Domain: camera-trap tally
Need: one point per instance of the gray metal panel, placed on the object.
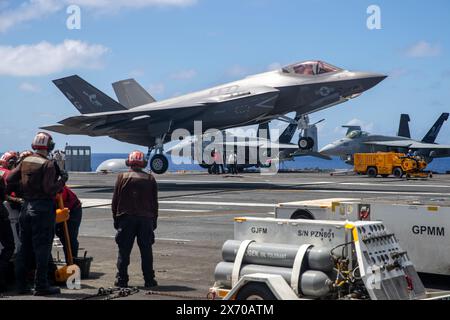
(131, 94)
(78, 158)
(326, 234)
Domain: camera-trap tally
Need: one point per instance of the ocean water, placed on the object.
(438, 165)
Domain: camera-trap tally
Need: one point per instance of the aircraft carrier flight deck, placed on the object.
(196, 217)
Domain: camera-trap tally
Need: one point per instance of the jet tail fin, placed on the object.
(261, 127)
(85, 97)
(131, 94)
(351, 128)
(432, 134)
(403, 127)
(288, 133)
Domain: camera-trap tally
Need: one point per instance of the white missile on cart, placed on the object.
(279, 255)
(368, 262)
(312, 283)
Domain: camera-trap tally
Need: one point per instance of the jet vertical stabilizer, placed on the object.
(131, 94)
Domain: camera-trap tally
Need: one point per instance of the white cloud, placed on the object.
(156, 89)
(27, 11)
(118, 4)
(45, 58)
(184, 74)
(423, 49)
(29, 87)
(37, 9)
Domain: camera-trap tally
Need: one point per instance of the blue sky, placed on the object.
(177, 46)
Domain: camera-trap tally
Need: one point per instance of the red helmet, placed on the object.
(43, 141)
(9, 159)
(25, 154)
(136, 159)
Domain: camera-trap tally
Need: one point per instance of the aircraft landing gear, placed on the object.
(306, 143)
(159, 162)
(308, 133)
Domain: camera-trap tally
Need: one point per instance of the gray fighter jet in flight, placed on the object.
(358, 141)
(303, 87)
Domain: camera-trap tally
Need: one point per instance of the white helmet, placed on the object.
(43, 141)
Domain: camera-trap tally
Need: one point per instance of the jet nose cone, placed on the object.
(370, 80)
(328, 150)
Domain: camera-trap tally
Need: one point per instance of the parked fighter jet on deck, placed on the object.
(303, 87)
(278, 150)
(358, 141)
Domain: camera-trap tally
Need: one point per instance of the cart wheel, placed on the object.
(372, 172)
(255, 291)
(397, 172)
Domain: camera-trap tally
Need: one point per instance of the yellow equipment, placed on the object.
(62, 215)
(387, 163)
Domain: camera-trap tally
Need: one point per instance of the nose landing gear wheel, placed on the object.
(305, 143)
(159, 164)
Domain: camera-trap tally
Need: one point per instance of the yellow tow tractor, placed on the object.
(390, 163)
(62, 216)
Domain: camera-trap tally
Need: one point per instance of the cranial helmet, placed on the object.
(136, 159)
(8, 159)
(43, 141)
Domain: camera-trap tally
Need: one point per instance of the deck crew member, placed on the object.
(71, 202)
(6, 238)
(38, 179)
(135, 213)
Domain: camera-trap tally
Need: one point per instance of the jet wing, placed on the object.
(408, 144)
(169, 111)
(115, 118)
(261, 144)
(63, 129)
(397, 143)
(301, 153)
(421, 145)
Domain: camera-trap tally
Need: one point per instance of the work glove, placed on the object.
(155, 223)
(64, 176)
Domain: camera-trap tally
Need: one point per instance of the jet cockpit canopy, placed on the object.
(356, 134)
(310, 68)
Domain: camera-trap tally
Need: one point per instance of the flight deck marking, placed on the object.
(381, 192)
(162, 239)
(394, 185)
(235, 204)
(103, 203)
(184, 210)
(281, 183)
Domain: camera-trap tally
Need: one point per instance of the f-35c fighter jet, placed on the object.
(303, 87)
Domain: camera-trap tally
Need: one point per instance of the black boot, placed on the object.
(47, 291)
(151, 283)
(121, 284)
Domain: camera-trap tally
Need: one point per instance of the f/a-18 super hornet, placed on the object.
(358, 141)
(303, 87)
(252, 150)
